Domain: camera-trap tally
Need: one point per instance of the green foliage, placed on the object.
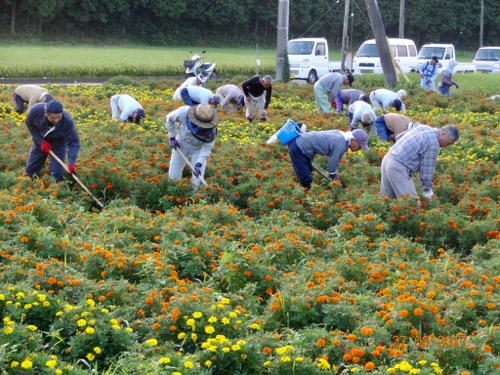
(286, 67)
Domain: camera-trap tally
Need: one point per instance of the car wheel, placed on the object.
(312, 77)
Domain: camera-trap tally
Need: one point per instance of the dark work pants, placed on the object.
(19, 103)
(383, 131)
(37, 158)
(301, 164)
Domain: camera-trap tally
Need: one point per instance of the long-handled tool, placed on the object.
(191, 166)
(76, 179)
(325, 176)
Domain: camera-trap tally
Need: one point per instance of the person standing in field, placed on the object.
(257, 91)
(390, 125)
(416, 150)
(428, 72)
(347, 97)
(231, 94)
(199, 80)
(446, 80)
(31, 95)
(383, 99)
(331, 143)
(192, 131)
(327, 87)
(52, 129)
(125, 108)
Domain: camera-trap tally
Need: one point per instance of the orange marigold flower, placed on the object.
(266, 350)
(321, 342)
(418, 311)
(403, 313)
(369, 366)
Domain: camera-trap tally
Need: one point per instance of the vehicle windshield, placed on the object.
(367, 50)
(428, 52)
(488, 54)
(300, 47)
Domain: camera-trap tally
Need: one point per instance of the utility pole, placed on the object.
(283, 15)
(378, 30)
(401, 18)
(344, 35)
(481, 24)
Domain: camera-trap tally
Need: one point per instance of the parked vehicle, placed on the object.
(308, 59)
(445, 53)
(194, 66)
(367, 59)
(487, 60)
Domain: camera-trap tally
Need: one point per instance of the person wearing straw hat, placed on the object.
(331, 143)
(130, 109)
(198, 80)
(52, 129)
(383, 99)
(192, 130)
(31, 95)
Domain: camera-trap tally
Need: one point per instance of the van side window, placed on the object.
(449, 53)
(320, 49)
(413, 50)
(402, 51)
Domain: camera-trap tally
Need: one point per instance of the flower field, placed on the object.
(249, 275)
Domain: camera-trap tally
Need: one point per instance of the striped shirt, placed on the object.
(417, 150)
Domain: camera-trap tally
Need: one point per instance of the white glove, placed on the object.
(428, 193)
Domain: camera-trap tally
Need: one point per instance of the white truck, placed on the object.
(308, 58)
(444, 53)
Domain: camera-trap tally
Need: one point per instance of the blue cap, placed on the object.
(397, 104)
(53, 106)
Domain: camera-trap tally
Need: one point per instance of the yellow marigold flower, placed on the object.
(225, 320)
(266, 363)
(225, 301)
(2, 297)
(91, 302)
(85, 314)
(46, 304)
(90, 356)
(188, 364)
(51, 363)
(28, 306)
(152, 342)
(164, 360)
(97, 350)
(177, 373)
(299, 359)
(89, 330)
(255, 326)
(181, 335)
(27, 364)
(59, 313)
(197, 315)
(104, 310)
(208, 363)
(113, 322)
(285, 358)
(209, 330)
(129, 330)
(212, 319)
(212, 348)
(422, 362)
(8, 330)
(226, 349)
(59, 372)
(323, 364)
(232, 314)
(235, 348)
(194, 337)
(31, 327)
(414, 371)
(14, 364)
(41, 297)
(81, 323)
(190, 323)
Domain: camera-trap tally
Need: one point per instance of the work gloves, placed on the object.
(456, 85)
(335, 177)
(71, 168)
(428, 193)
(197, 169)
(45, 147)
(172, 142)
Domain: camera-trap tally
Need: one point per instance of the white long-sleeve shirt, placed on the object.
(384, 99)
(124, 103)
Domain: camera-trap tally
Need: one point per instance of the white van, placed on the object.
(367, 59)
(444, 53)
(487, 60)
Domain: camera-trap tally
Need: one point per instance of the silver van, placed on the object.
(487, 60)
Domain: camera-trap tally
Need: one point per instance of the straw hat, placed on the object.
(203, 115)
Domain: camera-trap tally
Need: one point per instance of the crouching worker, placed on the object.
(51, 129)
(125, 108)
(390, 125)
(331, 143)
(192, 132)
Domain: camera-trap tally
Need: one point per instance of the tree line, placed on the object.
(243, 23)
